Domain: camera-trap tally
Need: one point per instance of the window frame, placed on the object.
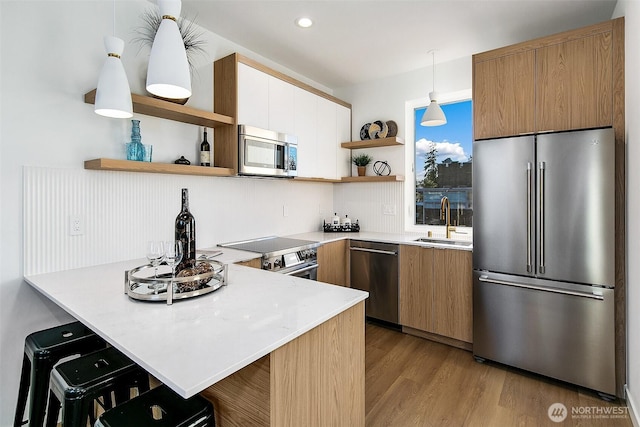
(410, 158)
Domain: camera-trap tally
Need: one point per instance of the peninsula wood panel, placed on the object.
(318, 379)
(574, 85)
(503, 95)
(333, 265)
(453, 293)
(315, 380)
(416, 287)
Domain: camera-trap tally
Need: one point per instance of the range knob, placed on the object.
(277, 263)
(266, 265)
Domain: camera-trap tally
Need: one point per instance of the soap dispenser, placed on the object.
(336, 220)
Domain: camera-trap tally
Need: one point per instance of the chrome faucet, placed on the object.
(445, 213)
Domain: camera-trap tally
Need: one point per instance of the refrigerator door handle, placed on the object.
(541, 206)
(541, 288)
(529, 190)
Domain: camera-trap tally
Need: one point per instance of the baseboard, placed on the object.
(633, 408)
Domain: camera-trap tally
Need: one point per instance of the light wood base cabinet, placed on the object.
(315, 380)
(436, 291)
(333, 262)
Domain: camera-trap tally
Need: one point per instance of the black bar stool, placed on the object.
(76, 384)
(42, 350)
(160, 407)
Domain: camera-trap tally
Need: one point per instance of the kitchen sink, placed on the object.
(443, 242)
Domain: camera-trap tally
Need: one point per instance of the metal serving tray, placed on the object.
(141, 284)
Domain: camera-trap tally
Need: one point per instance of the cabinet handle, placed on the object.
(375, 251)
(485, 279)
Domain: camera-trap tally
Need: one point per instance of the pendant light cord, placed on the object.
(433, 75)
(114, 18)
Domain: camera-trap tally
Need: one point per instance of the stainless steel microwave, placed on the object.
(263, 152)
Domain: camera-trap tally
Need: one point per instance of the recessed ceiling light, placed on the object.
(304, 22)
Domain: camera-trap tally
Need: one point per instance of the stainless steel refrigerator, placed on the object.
(543, 255)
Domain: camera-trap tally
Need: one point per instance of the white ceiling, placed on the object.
(354, 41)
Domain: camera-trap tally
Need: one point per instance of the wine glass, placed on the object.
(172, 256)
(155, 255)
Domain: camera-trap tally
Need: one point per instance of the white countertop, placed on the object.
(195, 343)
(400, 238)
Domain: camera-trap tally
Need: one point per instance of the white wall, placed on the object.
(51, 54)
(630, 9)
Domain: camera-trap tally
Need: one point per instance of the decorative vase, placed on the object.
(362, 170)
(135, 149)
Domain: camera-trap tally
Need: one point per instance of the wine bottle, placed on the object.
(205, 151)
(186, 234)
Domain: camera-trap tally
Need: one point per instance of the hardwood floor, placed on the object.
(411, 381)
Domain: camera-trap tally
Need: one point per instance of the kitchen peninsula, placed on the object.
(267, 349)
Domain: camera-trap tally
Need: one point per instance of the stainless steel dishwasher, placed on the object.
(374, 268)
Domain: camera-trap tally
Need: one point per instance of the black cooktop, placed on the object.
(271, 246)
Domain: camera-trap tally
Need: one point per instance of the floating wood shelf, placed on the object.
(327, 180)
(151, 167)
(372, 143)
(376, 178)
(168, 110)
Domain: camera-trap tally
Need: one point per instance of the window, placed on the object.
(443, 159)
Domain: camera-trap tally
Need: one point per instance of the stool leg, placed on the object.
(76, 411)
(23, 391)
(53, 409)
(42, 366)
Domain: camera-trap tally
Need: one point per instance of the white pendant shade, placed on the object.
(433, 116)
(168, 73)
(113, 96)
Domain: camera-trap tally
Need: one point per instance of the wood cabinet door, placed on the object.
(503, 96)
(574, 84)
(416, 287)
(333, 263)
(453, 294)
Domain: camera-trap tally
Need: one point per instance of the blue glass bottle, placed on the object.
(135, 149)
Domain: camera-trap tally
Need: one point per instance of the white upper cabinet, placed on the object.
(343, 159)
(320, 124)
(253, 97)
(327, 144)
(306, 108)
(281, 106)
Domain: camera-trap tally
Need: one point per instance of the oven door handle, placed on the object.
(302, 270)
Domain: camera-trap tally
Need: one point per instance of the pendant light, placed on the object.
(113, 95)
(168, 72)
(433, 116)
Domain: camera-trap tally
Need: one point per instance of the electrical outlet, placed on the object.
(76, 225)
(388, 209)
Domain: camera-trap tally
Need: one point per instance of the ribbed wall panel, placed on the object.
(121, 211)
